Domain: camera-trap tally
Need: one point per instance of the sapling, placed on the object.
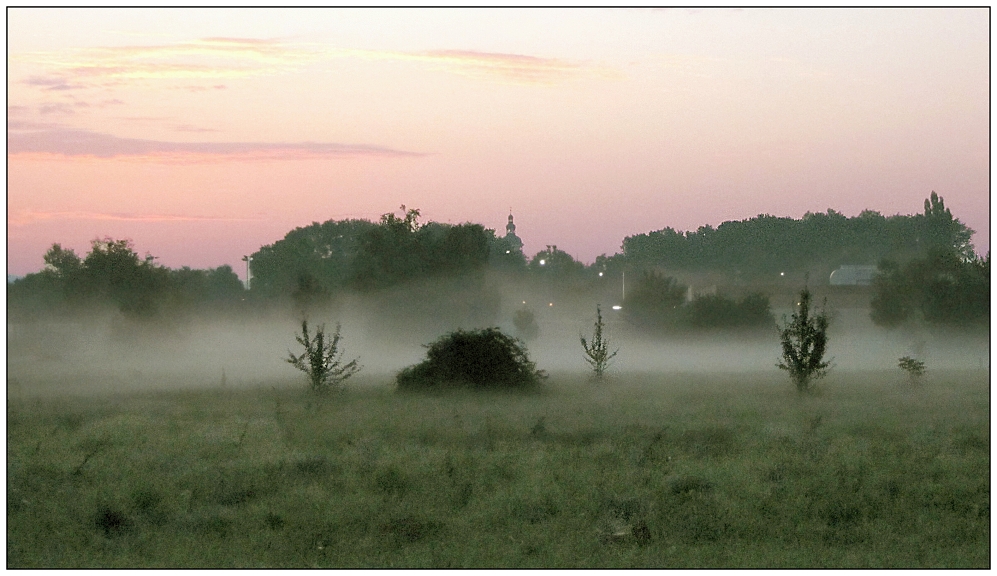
(322, 361)
(804, 343)
(913, 368)
(597, 353)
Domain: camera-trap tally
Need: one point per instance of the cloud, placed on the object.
(513, 67)
(195, 88)
(51, 83)
(84, 143)
(494, 66)
(30, 125)
(144, 118)
(204, 58)
(215, 58)
(56, 108)
(26, 217)
(189, 128)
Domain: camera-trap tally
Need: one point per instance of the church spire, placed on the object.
(510, 228)
(510, 234)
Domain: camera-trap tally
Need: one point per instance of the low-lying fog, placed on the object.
(111, 353)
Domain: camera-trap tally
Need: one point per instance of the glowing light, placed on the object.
(600, 274)
(617, 307)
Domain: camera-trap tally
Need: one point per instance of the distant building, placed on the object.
(691, 294)
(510, 235)
(850, 275)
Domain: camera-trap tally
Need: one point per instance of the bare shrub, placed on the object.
(597, 353)
(913, 368)
(322, 361)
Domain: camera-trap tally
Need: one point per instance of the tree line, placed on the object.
(113, 275)
(321, 259)
(928, 270)
(767, 244)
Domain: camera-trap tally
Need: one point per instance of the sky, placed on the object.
(203, 134)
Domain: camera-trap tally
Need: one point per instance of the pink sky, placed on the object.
(202, 135)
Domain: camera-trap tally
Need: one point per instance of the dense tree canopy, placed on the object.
(557, 264)
(319, 254)
(654, 300)
(941, 289)
(768, 244)
(112, 274)
(322, 258)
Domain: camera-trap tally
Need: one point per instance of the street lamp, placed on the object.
(247, 260)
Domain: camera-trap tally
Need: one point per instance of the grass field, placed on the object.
(681, 470)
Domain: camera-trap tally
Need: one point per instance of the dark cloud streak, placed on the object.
(51, 83)
(93, 144)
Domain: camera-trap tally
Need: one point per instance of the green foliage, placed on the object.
(597, 353)
(322, 360)
(804, 343)
(717, 311)
(913, 368)
(477, 359)
(310, 293)
(655, 301)
(526, 324)
(400, 250)
(322, 259)
(942, 232)
(325, 252)
(504, 255)
(36, 294)
(768, 244)
(195, 288)
(941, 289)
(64, 263)
(112, 274)
(556, 265)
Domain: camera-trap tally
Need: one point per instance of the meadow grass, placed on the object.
(682, 470)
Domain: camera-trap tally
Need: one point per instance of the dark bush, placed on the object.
(111, 521)
(478, 359)
(941, 289)
(526, 324)
(716, 311)
(655, 302)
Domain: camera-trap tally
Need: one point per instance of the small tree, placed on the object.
(804, 343)
(321, 360)
(526, 324)
(597, 353)
(913, 368)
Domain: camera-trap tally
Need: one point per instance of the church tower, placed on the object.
(510, 234)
